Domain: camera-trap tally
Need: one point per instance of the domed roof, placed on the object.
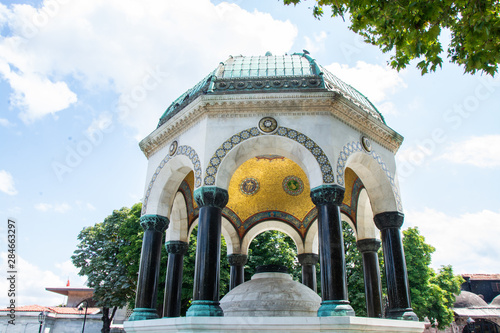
(496, 301)
(270, 73)
(467, 299)
(271, 295)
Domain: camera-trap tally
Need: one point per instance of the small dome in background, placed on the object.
(271, 295)
(467, 299)
(496, 301)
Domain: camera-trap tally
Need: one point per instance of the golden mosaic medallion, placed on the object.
(249, 186)
(293, 185)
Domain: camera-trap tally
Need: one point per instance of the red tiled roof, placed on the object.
(53, 309)
(29, 308)
(482, 276)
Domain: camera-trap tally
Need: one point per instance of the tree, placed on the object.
(96, 257)
(410, 29)
(432, 295)
(354, 271)
(273, 247)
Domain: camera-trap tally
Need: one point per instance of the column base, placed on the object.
(143, 314)
(402, 314)
(335, 308)
(204, 309)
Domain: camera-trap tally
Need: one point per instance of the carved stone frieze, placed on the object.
(308, 258)
(368, 245)
(389, 220)
(211, 196)
(237, 259)
(238, 105)
(154, 222)
(327, 194)
(176, 247)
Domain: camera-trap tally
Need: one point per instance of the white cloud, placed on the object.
(376, 82)
(316, 43)
(7, 183)
(480, 151)
(115, 45)
(69, 271)
(5, 123)
(57, 208)
(102, 123)
(43, 207)
(32, 281)
(85, 205)
(469, 242)
(38, 96)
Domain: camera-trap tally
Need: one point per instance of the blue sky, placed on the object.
(81, 82)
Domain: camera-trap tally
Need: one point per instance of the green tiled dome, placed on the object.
(270, 73)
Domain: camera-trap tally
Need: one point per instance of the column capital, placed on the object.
(211, 196)
(154, 222)
(176, 247)
(308, 258)
(237, 259)
(326, 194)
(368, 245)
(389, 220)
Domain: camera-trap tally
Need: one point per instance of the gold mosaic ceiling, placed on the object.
(272, 184)
(269, 183)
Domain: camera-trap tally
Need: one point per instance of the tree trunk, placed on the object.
(107, 319)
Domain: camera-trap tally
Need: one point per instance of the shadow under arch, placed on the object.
(178, 226)
(364, 218)
(382, 194)
(229, 233)
(164, 185)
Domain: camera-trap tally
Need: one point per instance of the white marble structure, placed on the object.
(285, 109)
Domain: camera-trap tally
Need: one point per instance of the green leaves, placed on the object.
(273, 247)
(410, 30)
(432, 295)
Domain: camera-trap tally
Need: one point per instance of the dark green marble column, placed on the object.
(205, 303)
(237, 273)
(308, 262)
(149, 269)
(173, 282)
(373, 289)
(389, 223)
(327, 199)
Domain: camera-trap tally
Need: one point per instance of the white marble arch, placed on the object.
(271, 225)
(364, 218)
(268, 144)
(311, 240)
(346, 218)
(166, 185)
(375, 180)
(178, 227)
(228, 231)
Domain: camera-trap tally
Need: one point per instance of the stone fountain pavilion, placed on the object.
(273, 142)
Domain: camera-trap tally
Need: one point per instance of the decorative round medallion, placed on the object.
(249, 186)
(173, 148)
(268, 124)
(367, 145)
(293, 185)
